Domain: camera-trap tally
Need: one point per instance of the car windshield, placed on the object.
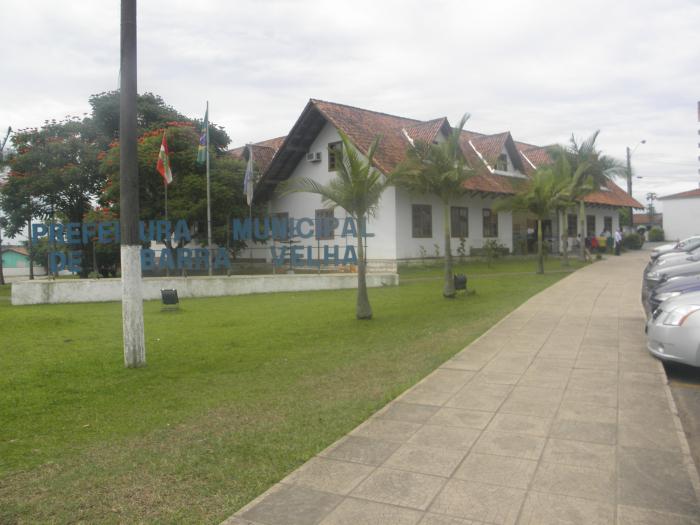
(689, 244)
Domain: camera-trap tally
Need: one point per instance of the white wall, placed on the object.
(409, 247)
(102, 290)
(298, 205)
(600, 213)
(24, 271)
(681, 218)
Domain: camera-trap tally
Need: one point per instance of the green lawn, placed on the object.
(238, 391)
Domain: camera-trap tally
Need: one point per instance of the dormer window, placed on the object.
(502, 162)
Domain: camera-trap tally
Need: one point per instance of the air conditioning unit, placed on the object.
(312, 156)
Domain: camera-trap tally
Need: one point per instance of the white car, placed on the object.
(673, 331)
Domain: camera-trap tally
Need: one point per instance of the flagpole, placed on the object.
(167, 244)
(209, 201)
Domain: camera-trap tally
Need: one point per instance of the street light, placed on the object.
(629, 175)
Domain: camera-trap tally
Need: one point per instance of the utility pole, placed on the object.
(630, 152)
(629, 183)
(132, 293)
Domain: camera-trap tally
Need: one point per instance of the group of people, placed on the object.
(602, 242)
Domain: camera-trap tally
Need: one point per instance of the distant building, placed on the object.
(682, 214)
(644, 220)
(15, 262)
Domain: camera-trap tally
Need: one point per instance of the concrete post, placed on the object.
(132, 293)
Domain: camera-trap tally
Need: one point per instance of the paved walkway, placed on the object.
(556, 415)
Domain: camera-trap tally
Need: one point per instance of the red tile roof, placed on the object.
(639, 219)
(490, 146)
(263, 152)
(683, 195)
(362, 126)
(17, 249)
(428, 131)
(615, 196)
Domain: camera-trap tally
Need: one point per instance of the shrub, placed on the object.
(632, 241)
(492, 249)
(656, 235)
(462, 250)
(423, 253)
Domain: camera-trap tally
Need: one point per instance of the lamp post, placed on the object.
(630, 152)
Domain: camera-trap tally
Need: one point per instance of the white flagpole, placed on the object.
(209, 199)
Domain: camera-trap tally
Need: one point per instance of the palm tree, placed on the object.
(598, 170)
(563, 171)
(440, 170)
(543, 194)
(357, 188)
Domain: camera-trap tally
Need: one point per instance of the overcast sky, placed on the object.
(541, 69)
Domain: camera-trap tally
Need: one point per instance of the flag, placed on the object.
(249, 180)
(163, 165)
(202, 150)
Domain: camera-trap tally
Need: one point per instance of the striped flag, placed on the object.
(202, 150)
(249, 180)
(163, 165)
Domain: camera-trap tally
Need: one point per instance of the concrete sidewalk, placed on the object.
(556, 415)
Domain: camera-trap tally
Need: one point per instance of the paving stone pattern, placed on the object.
(556, 415)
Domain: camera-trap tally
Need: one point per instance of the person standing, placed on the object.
(618, 241)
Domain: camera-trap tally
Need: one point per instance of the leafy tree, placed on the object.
(440, 170)
(151, 113)
(54, 172)
(18, 204)
(540, 196)
(598, 170)
(357, 188)
(187, 192)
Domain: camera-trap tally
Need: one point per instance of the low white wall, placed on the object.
(23, 272)
(101, 290)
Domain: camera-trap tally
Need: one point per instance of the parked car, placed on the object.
(673, 331)
(681, 246)
(673, 259)
(655, 277)
(673, 287)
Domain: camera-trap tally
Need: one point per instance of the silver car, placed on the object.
(683, 245)
(673, 331)
(667, 261)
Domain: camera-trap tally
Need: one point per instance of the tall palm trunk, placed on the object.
(449, 289)
(582, 229)
(564, 239)
(540, 254)
(30, 249)
(363, 310)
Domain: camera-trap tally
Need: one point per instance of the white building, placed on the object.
(682, 214)
(410, 226)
